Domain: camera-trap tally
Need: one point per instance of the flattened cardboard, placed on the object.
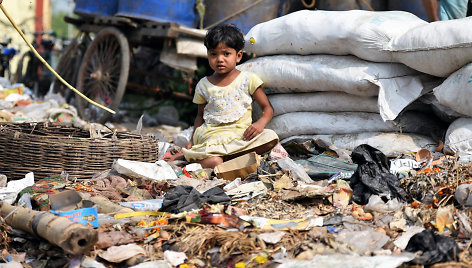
(240, 167)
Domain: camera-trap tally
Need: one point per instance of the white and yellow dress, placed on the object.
(227, 114)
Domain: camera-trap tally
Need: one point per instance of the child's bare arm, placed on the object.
(267, 112)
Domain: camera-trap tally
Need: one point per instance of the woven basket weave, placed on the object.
(47, 150)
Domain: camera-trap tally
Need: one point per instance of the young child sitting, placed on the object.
(223, 126)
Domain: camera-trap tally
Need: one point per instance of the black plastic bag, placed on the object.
(373, 176)
(434, 247)
(185, 198)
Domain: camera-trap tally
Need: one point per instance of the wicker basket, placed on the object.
(47, 150)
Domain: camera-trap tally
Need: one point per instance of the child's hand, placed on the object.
(189, 145)
(252, 131)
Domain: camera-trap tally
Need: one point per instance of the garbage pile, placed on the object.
(305, 204)
(19, 104)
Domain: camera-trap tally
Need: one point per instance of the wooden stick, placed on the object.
(73, 238)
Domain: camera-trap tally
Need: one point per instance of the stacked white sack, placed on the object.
(328, 94)
(456, 94)
(456, 91)
(396, 84)
(437, 48)
(355, 32)
(334, 95)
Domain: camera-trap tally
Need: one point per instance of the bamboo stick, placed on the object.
(73, 238)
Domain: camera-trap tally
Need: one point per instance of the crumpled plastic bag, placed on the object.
(157, 171)
(9, 193)
(372, 176)
(434, 247)
(185, 198)
(298, 171)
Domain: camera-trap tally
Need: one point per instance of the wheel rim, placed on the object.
(65, 68)
(103, 74)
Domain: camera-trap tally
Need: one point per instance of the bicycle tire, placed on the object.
(103, 76)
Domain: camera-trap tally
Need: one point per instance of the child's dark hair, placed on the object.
(224, 33)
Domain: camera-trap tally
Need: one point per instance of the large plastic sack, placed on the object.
(388, 143)
(305, 123)
(355, 32)
(438, 48)
(319, 102)
(295, 73)
(456, 91)
(459, 139)
(396, 84)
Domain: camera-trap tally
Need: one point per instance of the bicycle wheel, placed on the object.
(69, 65)
(103, 74)
(65, 68)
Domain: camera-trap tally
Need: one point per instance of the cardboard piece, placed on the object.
(239, 167)
(69, 204)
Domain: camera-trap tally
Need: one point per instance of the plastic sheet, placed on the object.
(372, 176)
(435, 248)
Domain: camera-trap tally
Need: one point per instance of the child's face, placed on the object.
(223, 59)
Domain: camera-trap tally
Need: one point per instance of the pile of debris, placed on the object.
(304, 203)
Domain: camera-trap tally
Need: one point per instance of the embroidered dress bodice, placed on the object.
(229, 103)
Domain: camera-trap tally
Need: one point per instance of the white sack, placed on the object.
(319, 102)
(295, 73)
(356, 32)
(459, 139)
(456, 91)
(387, 143)
(396, 84)
(306, 123)
(438, 48)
